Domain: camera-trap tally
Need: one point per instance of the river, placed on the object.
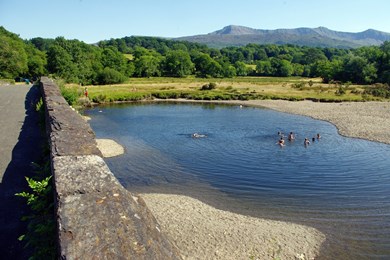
(336, 184)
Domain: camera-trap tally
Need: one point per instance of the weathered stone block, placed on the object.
(96, 217)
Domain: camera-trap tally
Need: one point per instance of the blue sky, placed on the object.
(94, 20)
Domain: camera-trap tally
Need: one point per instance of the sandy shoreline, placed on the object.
(203, 232)
(366, 120)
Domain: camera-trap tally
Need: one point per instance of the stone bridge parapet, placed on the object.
(96, 217)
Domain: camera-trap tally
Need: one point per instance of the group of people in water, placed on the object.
(291, 138)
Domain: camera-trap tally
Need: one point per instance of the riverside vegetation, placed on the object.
(239, 88)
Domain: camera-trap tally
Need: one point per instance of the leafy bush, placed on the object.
(378, 90)
(41, 233)
(340, 91)
(101, 98)
(71, 95)
(299, 85)
(110, 76)
(169, 94)
(209, 86)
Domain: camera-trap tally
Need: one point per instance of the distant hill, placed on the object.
(234, 35)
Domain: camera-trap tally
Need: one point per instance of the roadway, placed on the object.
(20, 144)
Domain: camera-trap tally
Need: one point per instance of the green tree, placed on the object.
(207, 67)
(178, 64)
(13, 57)
(36, 61)
(383, 64)
(312, 55)
(264, 68)
(59, 63)
(112, 58)
(241, 68)
(357, 69)
(327, 70)
(148, 66)
(298, 69)
(281, 68)
(228, 70)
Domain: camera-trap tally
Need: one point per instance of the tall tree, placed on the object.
(13, 57)
(178, 64)
(148, 66)
(60, 63)
(36, 61)
(241, 68)
(358, 69)
(384, 63)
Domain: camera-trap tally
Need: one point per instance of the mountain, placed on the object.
(234, 35)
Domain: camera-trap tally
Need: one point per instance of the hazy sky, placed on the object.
(94, 20)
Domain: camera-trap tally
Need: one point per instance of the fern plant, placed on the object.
(41, 228)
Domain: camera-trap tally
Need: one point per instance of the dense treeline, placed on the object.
(364, 65)
(113, 61)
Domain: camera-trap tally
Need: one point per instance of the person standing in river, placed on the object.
(291, 136)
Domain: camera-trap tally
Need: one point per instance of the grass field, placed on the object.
(240, 88)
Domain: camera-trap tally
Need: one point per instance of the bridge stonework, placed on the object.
(96, 217)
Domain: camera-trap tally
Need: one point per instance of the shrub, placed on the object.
(71, 95)
(378, 90)
(99, 98)
(41, 234)
(299, 85)
(209, 86)
(340, 91)
(110, 76)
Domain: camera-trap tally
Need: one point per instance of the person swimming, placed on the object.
(196, 135)
(291, 136)
(281, 141)
(306, 142)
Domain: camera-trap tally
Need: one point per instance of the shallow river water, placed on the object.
(339, 185)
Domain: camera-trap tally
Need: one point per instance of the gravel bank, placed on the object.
(367, 120)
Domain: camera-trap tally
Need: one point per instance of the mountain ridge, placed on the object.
(236, 35)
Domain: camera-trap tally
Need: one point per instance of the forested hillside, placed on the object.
(115, 60)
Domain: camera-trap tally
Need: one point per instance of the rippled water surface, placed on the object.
(339, 185)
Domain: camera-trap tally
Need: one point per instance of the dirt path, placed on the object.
(20, 144)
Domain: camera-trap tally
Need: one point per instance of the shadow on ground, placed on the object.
(12, 208)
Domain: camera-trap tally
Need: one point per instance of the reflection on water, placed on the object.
(339, 185)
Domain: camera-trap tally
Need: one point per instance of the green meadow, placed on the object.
(239, 88)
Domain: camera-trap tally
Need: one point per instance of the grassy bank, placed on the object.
(240, 88)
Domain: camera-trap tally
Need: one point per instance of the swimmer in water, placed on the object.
(196, 135)
(291, 136)
(281, 141)
(306, 142)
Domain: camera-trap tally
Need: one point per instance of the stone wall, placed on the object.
(96, 217)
